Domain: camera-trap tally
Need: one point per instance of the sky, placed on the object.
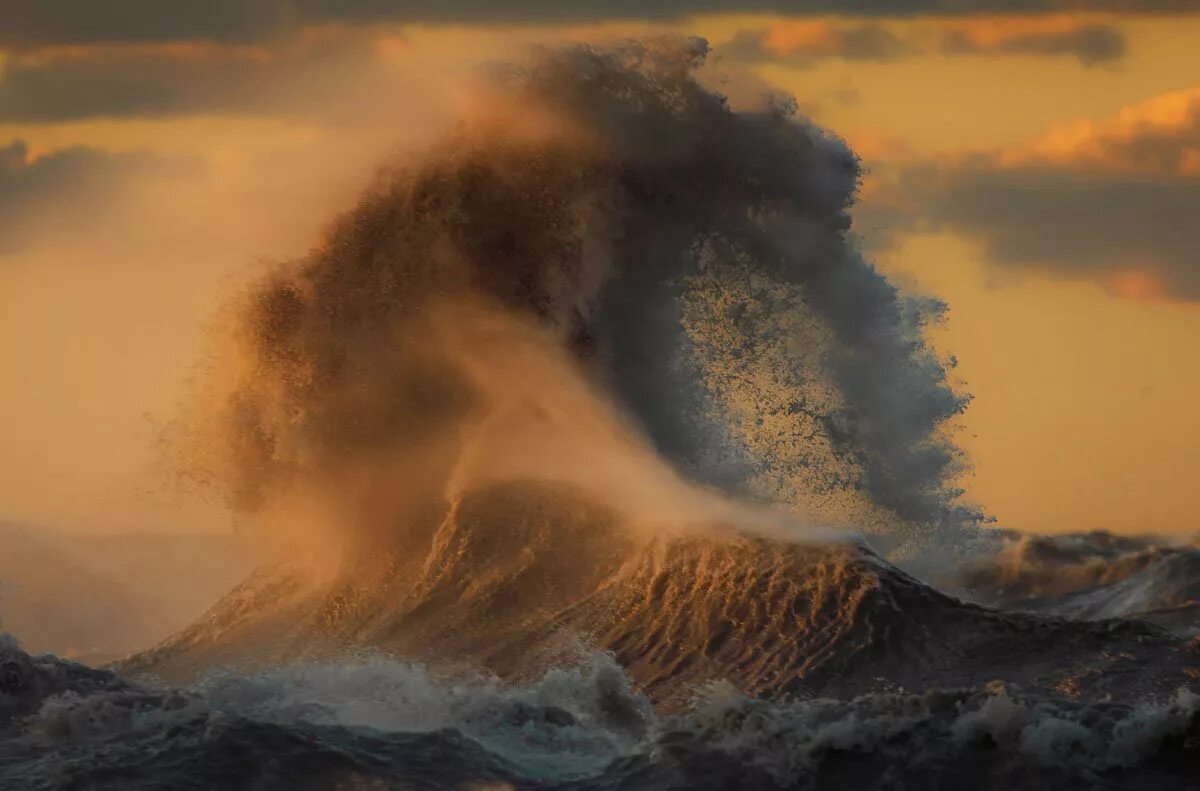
(1033, 163)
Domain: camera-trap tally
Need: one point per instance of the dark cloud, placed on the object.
(25, 179)
(1120, 202)
(1093, 44)
(867, 42)
(310, 70)
(144, 80)
(73, 181)
(40, 22)
(34, 22)
(871, 42)
(105, 83)
(1095, 226)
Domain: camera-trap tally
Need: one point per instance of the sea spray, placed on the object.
(593, 200)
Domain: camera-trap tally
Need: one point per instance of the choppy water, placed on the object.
(377, 723)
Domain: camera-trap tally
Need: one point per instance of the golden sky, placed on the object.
(1035, 172)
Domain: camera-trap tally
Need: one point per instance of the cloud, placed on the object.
(1160, 136)
(307, 70)
(317, 71)
(42, 22)
(1113, 201)
(801, 44)
(1119, 230)
(1092, 44)
(72, 181)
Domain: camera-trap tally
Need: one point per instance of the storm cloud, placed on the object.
(1112, 201)
(802, 44)
(1092, 44)
(41, 22)
(1105, 227)
(159, 79)
(71, 181)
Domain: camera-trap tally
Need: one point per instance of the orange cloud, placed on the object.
(1159, 136)
(784, 38)
(1112, 200)
(802, 42)
(1136, 283)
(995, 31)
(175, 50)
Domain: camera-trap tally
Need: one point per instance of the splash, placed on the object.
(604, 276)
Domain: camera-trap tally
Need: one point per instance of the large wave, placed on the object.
(606, 276)
(532, 393)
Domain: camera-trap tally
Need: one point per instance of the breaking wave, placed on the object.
(605, 276)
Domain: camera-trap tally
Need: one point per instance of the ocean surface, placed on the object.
(899, 687)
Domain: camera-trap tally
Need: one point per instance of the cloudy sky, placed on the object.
(1035, 163)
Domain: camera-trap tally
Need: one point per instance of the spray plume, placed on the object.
(606, 277)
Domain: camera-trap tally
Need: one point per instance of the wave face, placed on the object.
(502, 588)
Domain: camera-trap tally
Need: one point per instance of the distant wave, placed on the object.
(1088, 576)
